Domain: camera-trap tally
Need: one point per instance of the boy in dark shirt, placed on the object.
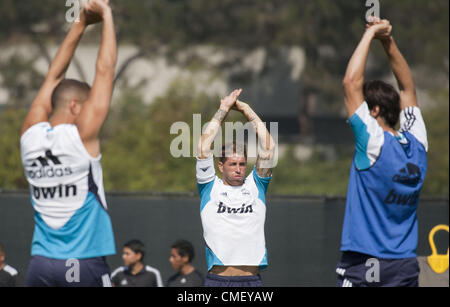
(181, 255)
(135, 273)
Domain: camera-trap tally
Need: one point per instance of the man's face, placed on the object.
(233, 170)
(2, 258)
(176, 260)
(129, 257)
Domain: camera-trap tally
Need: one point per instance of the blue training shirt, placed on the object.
(386, 179)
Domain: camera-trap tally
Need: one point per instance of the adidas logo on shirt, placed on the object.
(410, 175)
(46, 170)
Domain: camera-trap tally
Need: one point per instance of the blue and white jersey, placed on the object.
(66, 186)
(233, 218)
(386, 179)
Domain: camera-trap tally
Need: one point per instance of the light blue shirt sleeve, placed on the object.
(262, 184)
(369, 137)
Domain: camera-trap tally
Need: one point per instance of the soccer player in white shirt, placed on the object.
(233, 208)
(60, 151)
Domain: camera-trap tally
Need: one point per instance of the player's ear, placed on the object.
(220, 165)
(75, 107)
(375, 112)
(185, 259)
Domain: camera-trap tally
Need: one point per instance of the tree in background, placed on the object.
(137, 136)
(136, 152)
(11, 171)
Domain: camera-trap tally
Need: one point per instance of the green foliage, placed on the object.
(137, 154)
(136, 149)
(19, 18)
(11, 171)
(21, 80)
(136, 138)
(317, 176)
(437, 121)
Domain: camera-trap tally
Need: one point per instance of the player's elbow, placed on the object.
(352, 85)
(106, 66)
(267, 152)
(271, 146)
(105, 69)
(351, 82)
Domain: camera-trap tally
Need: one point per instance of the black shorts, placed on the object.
(359, 270)
(47, 272)
(217, 281)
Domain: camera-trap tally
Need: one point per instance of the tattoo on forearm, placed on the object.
(220, 115)
(251, 115)
(209, 135)
(255, 126)
(263, 166)
(264, 172)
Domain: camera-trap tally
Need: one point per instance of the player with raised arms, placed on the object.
(380, 232)
(60, 151)
(233, 209)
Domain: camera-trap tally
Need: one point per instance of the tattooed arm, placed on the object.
(204, 146)
(266, 150)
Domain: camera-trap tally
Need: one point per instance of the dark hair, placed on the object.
(137, 247)
(184, 248)
(231, 149)
(79, 91)
(383, 95)
(2, 251)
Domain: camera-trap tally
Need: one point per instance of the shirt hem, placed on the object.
(65, 257)
(379, 255)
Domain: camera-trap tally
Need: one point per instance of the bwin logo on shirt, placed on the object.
(244, 209)
(52, 192)
(410, 175)
(402, 200)
(47, 171)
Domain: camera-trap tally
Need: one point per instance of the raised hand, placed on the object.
(94, 11)
(381, 29)
(228, 102)
(240, 106)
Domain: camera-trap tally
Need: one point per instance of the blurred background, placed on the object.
(178, 57)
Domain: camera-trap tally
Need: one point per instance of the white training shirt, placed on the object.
(233, 218)
(66, 186)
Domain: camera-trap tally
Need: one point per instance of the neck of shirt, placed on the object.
(136, 269)
(187, 269)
